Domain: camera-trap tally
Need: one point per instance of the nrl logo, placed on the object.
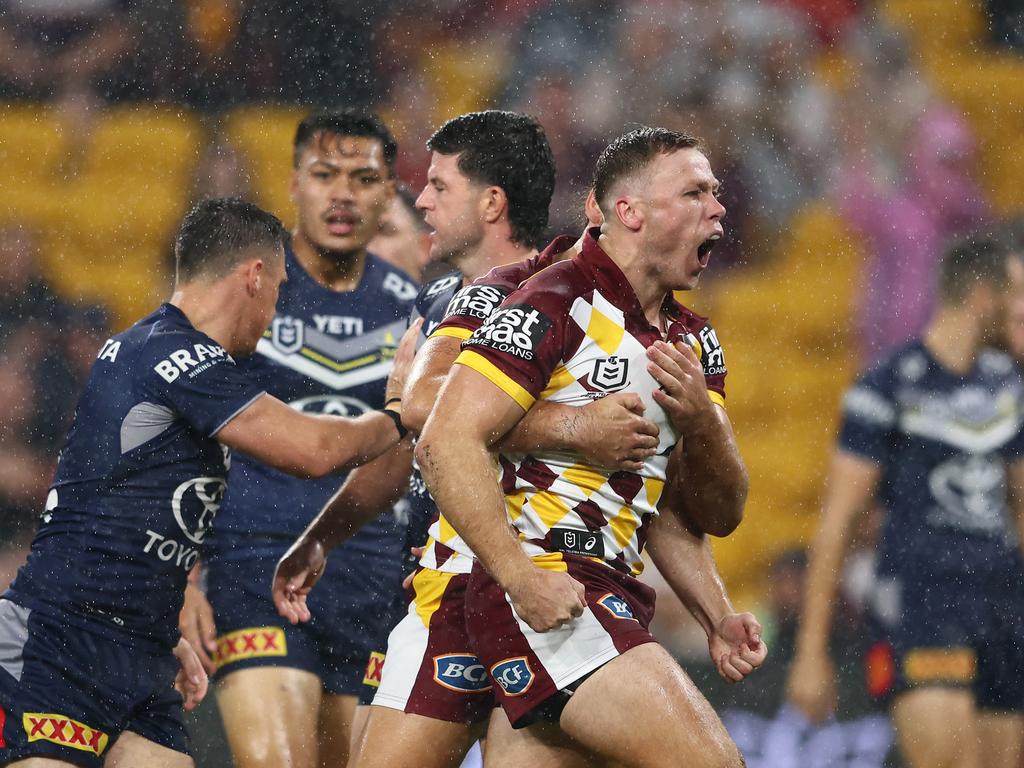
(610, 374)
(287, 334)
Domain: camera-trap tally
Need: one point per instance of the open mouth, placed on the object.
(704, 249)
(341, 222)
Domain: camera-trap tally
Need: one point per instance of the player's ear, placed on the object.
(293, 184)
(253, 272)
(494, 203)
(628, 213)
(595, 217)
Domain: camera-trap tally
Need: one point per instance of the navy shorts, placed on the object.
(67, 694)
(950, 632)
(350, 623)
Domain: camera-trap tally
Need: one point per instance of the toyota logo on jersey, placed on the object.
(195, 504)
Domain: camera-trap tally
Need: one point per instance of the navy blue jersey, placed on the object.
(139, 481)
(329, 352)
(943, 441)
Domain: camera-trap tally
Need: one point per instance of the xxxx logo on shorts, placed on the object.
(374, 669)
(63, 730)
(513, 675)
(251, 643)
(616, 606)
(461, 672)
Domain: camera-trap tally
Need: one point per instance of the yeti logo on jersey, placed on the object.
(196, 503)
(610, 374)
(331, 405)
(515, 330)
(287, 334)
(714, 357)
(403, 290)
(477, 301)
(616, 607)
(513, 675)
(460, 672)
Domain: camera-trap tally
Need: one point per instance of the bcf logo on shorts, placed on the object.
(461, 672)
(616, 606)
(513, 675)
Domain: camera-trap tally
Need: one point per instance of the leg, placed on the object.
(393, 739)
(641, 710)
(358, 727)
(336, 715)
(270, 716)
(131, 750)
(937, 728)
(543, 745)
(1002, 739)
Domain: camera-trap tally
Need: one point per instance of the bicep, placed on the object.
(470, 406)
(429, 369)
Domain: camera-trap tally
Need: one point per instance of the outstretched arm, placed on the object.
(850, 487)
(685, 561)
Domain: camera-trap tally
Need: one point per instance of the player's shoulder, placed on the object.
(432, 291)
(390, 280)
(562, 281)
(997, 363)
(165, 342)
(689, 319)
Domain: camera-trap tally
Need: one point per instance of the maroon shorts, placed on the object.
(429, 669)
(530, 667)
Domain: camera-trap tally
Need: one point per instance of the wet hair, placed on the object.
(633, 151)
(508, 150)
(975, 259)
(407, 197)
(346, 121)
(219, 233)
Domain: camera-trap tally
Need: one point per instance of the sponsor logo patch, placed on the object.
(461, 672)
(713, 357)
(374, 669)
(585, 543)
(929, 665)
(616, 606)
(516, 330)
(195, 503)
(58, 729)
(250, 643)
(880, 668)
(331, 405)
(441, 285)
(513, 675)
(610, 374)
(287, 334)
(477, 301)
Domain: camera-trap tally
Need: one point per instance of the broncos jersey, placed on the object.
(328, 352)
(943, 441)
(571, 334)
(139, 482)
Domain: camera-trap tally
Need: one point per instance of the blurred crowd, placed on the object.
(873, 138)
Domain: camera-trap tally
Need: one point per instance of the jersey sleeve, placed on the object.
(201, 383)
(868, 416)
(520, 344)
(712, 358)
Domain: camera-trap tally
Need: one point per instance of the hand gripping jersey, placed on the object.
(325, 352)
(573, 333)
(943, 441)
(449, 309)
(139, 482)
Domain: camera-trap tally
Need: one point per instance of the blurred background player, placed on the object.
(404, 237)
(328, 350)
(90, 643)
(933, 434)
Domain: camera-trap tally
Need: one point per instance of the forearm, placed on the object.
(546, 426)
(367, 491)
(429, 371)
(333, 443)
(685, 561)
(707, 477)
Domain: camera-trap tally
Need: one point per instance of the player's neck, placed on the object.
(338, 271)
(649, 291)
(491, 253)
(212, 311)
(953, 338)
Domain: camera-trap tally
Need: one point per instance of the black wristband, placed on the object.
(392, 400)
(397, 418)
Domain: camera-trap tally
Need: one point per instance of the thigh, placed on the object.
(936, 727)
(132, 750)
(394, 739)
(271, 716)
(641, 709)
(336, 716)
(541, 745)
(1002, 740)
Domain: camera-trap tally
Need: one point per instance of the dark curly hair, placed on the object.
(346, 121)
(507, 150)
